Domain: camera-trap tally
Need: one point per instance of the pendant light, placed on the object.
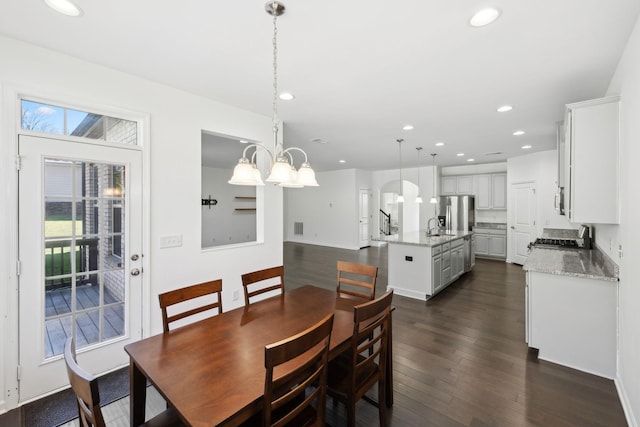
(282, 170)
(433, 198)
(400, 197)
(419, 198)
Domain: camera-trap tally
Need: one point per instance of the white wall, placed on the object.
(626, 83)
(329, 213)
(176, 121)
(221, 223)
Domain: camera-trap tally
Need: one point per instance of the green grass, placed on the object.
(59, 262)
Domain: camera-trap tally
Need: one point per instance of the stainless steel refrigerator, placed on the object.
(456, 213)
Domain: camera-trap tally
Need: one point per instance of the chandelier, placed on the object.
(282, 170)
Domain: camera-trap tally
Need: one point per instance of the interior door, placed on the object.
(523, 220)
(80, 236)
(365, 234)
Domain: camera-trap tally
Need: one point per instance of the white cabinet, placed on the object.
(492, 191)
(449, 185)
(464, 184)
(482, 243)
(454, 185)
(592, 174)
(498, 245)
(420, 272)
(585, 339)
(491, 242)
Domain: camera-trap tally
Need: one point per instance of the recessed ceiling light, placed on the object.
(286, 96)
(244, 141)
(505, 108)
(342, 161)
(471, 160)
(526, 147)
(460, 154)
(518, 133)
(407, 127)
(484, 17)
(439, 144)
(65, 7)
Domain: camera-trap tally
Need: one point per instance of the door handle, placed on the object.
(512, 227)
(135, 272)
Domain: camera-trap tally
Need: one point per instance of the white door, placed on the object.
(365, 233)
(523, 220)
(80, 236)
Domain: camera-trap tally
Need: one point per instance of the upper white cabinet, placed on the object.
(492, 191)
(453, 185)
(465, 184)
(592, 173)
(449, 185)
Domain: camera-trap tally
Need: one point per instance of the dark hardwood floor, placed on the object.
(460, 358)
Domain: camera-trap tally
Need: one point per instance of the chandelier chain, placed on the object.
(275, 72)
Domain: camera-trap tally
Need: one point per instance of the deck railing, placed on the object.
(58, 261)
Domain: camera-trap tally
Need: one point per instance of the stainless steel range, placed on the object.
(543, 242)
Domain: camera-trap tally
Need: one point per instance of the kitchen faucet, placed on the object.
(429, 225)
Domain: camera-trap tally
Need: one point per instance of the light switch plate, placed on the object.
(171, 241)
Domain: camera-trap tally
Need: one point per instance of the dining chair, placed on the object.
(261, 281)
(297, 396)
(178, 296)
(360, 279)
(85, 388)
(351, 376)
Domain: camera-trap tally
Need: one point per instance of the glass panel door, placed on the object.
(76, 213)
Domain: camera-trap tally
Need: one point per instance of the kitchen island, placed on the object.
(420, 266)
(571, 303)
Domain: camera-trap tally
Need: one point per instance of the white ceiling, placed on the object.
(360, 69)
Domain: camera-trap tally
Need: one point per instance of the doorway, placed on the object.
(80, 242)
(523, 219)
(365, 216)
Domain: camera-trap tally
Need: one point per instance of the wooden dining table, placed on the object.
(212, 371)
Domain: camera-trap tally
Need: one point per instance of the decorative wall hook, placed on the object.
(209, 202)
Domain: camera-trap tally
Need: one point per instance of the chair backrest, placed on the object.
(369, 343)
(251, 282)
(181, 295)
(85, 387)
(285, 399)
(360, 279)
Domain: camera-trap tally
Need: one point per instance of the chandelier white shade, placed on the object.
(282, 171)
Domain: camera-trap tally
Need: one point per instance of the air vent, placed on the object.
(319, 141)
(495, 153)
(298, 229)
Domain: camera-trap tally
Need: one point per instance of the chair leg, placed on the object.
(382, 407)
(351, 414)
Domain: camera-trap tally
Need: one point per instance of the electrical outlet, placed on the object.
(236, 295)
(620, 251)
(171, 241)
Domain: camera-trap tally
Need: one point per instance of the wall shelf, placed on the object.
(245, 209)
(245, 197)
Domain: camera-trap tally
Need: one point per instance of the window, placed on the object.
(56, 120)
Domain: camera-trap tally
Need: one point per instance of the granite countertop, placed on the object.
(590, 264)
(494, 225)
(420, 238)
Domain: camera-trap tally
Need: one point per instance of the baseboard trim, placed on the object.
(624, 400)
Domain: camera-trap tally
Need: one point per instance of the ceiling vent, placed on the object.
(495, 153)
(319, 141)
